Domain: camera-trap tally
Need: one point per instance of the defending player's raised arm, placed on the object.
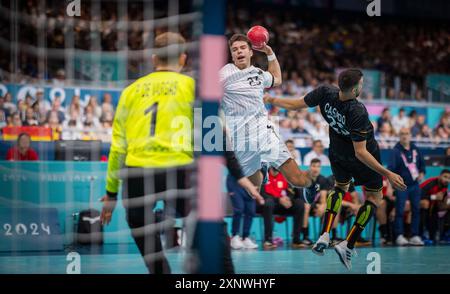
(312, 99)
(287, 103)
(274, 66)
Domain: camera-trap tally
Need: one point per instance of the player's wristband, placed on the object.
(112, 195)
(271, 57)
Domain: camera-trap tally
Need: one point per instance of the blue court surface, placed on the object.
(112, 259)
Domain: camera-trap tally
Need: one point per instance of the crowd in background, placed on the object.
(311, 45)
(78, 120)
(309, 48)
(304, 126)
(45, 24)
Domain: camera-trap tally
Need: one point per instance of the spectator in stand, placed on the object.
(316, 152)
(74, 119)
(280, 199)
(14, 120)
(107, 105)
(319, 132)
(385, 134)
(30, 119)
(59, 78)
(29, 100)
(384, 118)
(294, 151)
(412, 116)
(96, 109)
(22, 151)
(107, 127)
(285, 128)
(53, 123)
(22, 110)
(37, 113)
(435, 206)
(444, 122)
(75, 108)
(297, 127)
(244, 207)
(417, 127)
(425, 132)
(442, 131)
(408, 162)
(441, 134)
(8, 104)
(56, 108)
(89, 117)
(400, 121)
(44, 106)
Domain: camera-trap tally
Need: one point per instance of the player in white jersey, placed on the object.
(253, 135)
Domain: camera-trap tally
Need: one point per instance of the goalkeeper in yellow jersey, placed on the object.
(152, 147)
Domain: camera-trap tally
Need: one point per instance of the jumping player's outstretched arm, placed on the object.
(274, 65)
(365, 157)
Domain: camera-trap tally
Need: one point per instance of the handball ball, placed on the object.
(258, 35)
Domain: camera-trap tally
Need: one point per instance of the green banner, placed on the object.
(98, 66)
(440, 83)
(372, 83)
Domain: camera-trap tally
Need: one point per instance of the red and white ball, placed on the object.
(258, 36)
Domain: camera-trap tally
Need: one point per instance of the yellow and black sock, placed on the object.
(364, 215)
(334, 201)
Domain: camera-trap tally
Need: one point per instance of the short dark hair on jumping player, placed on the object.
(315, 160)
(445, 171)
(289, 141)
(349, 78)
(239, 37)
(169, 47)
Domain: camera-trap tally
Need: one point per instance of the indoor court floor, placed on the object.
(111, 259)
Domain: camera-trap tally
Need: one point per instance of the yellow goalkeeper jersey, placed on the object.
(153, 125)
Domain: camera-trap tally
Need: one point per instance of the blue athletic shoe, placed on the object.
(310, 193)
(428, 242)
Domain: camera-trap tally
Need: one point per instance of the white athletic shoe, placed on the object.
(249, 244)
(416, 241)
(345, 254)
(401, 241)
(321, 244)
(236, 243)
